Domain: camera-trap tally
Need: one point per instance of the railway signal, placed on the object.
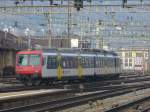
(123, 3)
(78, 4)
(51, 2)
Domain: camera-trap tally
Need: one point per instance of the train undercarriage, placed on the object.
(34, 80)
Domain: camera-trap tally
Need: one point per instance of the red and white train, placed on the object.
(48, 65)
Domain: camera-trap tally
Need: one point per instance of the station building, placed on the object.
(135, 59)
(9, 45)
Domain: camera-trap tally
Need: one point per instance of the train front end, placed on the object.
(29, 66)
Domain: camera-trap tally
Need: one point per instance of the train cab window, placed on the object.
(51, 62)
(34, 60)
(23, 60)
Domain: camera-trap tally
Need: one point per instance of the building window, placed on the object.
(126, 54)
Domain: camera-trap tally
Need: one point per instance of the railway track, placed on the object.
(12, 79)
(81, 87)
(60, 104)
(137, 105)
(9, 80)
(75, 85)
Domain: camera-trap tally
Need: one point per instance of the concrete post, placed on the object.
(148, 63)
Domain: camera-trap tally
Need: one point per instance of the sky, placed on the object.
(123, 23)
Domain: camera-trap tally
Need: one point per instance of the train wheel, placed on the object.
(28, 81)
(36, 82)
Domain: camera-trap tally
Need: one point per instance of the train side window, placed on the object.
(97, 62)
(116, 62)
(87, 65)
(51, 62)
(70, 62)
(92, 62)
(64, 64)
(100, 62)
(89, 62)
(82, 62)
(75, 62)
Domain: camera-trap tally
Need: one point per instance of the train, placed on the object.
(34, 66)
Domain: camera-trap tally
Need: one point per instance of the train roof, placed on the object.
(69, 50)
(83, 51)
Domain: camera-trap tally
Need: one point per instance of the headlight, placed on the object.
(36, 71)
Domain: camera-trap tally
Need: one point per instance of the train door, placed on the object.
(115, 64)
(49, 66)
(44, 67)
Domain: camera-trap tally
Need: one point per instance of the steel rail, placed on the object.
(147, 109)
(73, 101)
(74, 85)
(119, 108)
(62, 6)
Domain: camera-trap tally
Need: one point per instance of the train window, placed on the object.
(75, 62)
(115, 62)
(63, 64)
(69, 62)
(92, 62)
(109, 64)
(23, 60)
(34, 60)
(51, 62)
(97, 62)
(102, 62)
(83, 61)
(88, 62)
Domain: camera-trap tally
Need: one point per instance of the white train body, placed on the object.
(52, 65)
(80, 65)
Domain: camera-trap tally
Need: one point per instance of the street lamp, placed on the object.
(43, 32)
(11, 29)
(6, 31)
(27, 33)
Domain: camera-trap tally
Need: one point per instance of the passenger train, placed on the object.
(49, 65)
